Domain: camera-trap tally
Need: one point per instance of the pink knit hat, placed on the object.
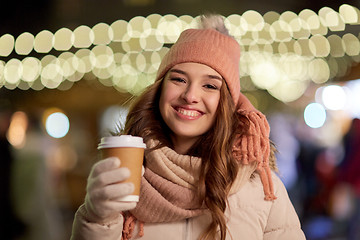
(209, 47)
(222, 53)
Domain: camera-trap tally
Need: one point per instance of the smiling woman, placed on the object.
(209, 165)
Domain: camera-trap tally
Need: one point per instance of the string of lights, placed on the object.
(281, 53)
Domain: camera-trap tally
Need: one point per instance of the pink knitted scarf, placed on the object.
(168, 187)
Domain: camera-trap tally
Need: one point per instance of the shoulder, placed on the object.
(251, 195)
(254, 187)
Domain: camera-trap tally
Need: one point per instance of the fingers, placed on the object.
(111, 177)
(111, 192)
(105, 189)
(104, 165)
(103, 210)
(108, 208)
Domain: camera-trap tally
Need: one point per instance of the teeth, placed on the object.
(188, 113)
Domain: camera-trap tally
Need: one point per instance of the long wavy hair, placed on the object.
(218, 166)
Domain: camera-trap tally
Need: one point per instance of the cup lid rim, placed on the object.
(121, 141)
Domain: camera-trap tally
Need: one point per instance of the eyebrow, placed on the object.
(208, 75)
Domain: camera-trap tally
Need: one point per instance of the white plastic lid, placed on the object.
(121, 141)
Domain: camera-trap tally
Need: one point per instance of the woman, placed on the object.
(208, 164)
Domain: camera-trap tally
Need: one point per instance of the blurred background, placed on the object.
(69, 68)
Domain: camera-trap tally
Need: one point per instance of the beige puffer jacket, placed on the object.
(249, 217)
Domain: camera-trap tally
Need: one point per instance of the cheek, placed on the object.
(164, 100)
(214, 104)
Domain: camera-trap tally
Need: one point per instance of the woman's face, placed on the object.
(189, 100)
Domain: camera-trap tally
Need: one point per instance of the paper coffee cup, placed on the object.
(130, 150)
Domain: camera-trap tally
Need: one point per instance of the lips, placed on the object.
(190, 113)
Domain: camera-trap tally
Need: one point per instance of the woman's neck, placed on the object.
(182, 145)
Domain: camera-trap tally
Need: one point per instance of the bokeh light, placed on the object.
(43, 42)
(334, 97)
(63, 39)
(274, 42)
(7, 42)
(57, 125)
(83, 37)
(16, 133)
(24, 43)
(352, 92)
(314, 115)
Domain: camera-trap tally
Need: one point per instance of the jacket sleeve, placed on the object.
(83, 229)
(283, 222)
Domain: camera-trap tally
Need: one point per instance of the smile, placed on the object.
(188, 113)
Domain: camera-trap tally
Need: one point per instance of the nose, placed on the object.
(191, 94)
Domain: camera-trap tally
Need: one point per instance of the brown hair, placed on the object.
(218, 167)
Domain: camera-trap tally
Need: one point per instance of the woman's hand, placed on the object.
(104, 191)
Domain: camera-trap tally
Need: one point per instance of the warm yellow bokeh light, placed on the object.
(253, 21)
(337, 46)
(294, 66)
(350, 14)
(234, 24)
(153, 42)
(82, 63)
(63, 39)
(132, 46)
(154, 20)
(102, 56)
(2, 79)
(319, 71)
(279, 52)
(351, 44)
(319, 46)
(122, 81)
(13, 71)
(280, 31)
(44, 42)
(103, 34)
(171, 27)
(83, 37)
(51, 74)
(271, 16)
(188, 21)
(68, 63)
(301, 47)
(31, 69)
(264, 72)
(311, 18)
(105, 73)
(16, 133)
(119, 29)
(331, 19)
(7, 42)
(24, 43)
(288, 90)
(139, 26)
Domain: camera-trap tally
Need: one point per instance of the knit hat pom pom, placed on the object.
(213, 22)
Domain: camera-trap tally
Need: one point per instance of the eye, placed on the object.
(177, 79)
(211, 86)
